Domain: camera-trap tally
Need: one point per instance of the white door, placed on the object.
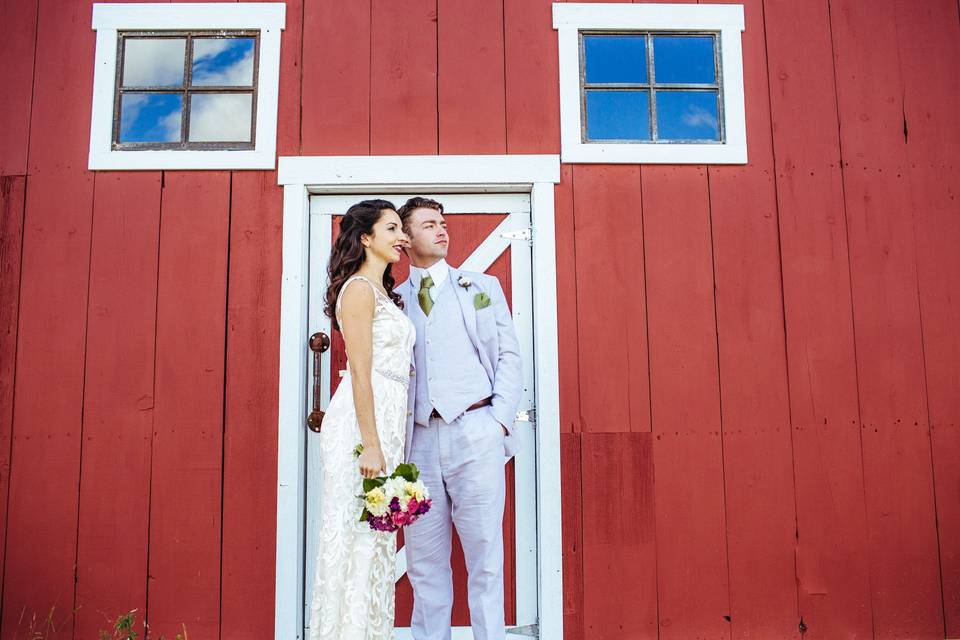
(489, 232)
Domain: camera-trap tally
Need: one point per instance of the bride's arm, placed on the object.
(356, 321)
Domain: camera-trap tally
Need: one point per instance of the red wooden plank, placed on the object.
(611, 313)
(617, 484)
(929, 47)
(291, 66)
(185, 491)
(250, 442)
(252, 363)
(336, 77)
(757, 449)
(45, 452)
(118, 400)
(690, 516)
(572, 524)
(471, 102)
(832, 560)
(904, 570)
(567, 303)
(403, 77)
(12, 201)
(18, 33)
(48, 398)
(532, 77)
(62, 88)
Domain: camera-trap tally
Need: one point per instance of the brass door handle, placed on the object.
(319, 342)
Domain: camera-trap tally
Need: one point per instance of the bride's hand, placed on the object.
(372, 462)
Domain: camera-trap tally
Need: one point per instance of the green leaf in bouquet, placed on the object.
(366, 515)
(407, 471)
(372, 483)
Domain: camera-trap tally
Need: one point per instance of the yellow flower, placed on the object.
(377, 502)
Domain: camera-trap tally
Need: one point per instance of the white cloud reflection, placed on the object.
(696, 116)
(153, 62)
(223, 117)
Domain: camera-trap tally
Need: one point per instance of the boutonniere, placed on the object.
(480, 301)
(464, 281)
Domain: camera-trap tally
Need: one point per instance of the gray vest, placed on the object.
(449, 376)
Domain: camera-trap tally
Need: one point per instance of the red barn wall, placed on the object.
(759, 364)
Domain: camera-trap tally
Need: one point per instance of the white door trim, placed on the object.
(511, 233)
(302, 176)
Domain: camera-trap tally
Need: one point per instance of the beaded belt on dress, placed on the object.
(393, 375)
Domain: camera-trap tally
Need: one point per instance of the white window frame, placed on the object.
(569, 19)
(267, 17)
(302, 177)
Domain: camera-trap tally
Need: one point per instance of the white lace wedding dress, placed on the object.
(353, 589)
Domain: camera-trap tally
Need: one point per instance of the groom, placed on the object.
(463, 402)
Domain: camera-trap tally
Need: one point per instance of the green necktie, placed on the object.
(426, 302)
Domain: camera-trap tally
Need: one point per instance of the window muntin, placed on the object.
(186, 90)
(650, 87)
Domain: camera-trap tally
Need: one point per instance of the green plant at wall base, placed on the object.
(123, 629)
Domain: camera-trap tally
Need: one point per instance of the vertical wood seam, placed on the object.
(223, 414)
(26, 168)
(503, 50)
(923, 352)
(83, 399)
(13, 395)
(576, 294)
(370, 79)
(723, 462)
(853, 324)
(153, 400)
(783, 314)
(653, 458)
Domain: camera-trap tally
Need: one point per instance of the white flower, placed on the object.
(394, 488)
(464, 281)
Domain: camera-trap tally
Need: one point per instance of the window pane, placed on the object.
(220, 117)
(153, 62)
(615, 58)
(687, 115)
(618, 115)
(150, 117)
(224, 62)
(684, 59)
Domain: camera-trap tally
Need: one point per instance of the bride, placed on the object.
(353, 589)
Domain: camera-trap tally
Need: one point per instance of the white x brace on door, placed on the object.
(514, 233)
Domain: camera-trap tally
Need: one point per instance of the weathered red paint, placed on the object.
(759, 407)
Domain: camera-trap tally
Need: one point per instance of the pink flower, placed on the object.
(400, 518)
(413, 505)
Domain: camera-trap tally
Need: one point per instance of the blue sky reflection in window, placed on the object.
(632, 96)
(155, 113)
(223, 62)
(150, 117)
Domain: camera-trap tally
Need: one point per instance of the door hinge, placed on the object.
(519, 234)
(527, 415)
(530, 630)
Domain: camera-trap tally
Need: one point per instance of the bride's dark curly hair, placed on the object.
(347, 254)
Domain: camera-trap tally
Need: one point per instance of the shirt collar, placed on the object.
(438, 271)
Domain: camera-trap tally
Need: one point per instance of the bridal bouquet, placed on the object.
(391, 502)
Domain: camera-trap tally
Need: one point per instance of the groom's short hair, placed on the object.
(414, 203)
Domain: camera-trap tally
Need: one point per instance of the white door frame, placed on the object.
(303, 176)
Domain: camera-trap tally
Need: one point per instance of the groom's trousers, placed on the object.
(462, 465)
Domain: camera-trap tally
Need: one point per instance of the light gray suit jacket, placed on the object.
(492, 332)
